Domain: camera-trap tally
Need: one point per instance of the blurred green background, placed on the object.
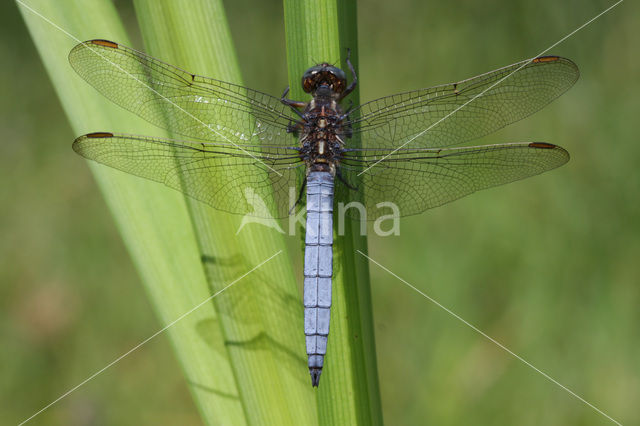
(548, 266)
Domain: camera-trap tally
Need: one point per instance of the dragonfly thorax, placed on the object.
(322, 136)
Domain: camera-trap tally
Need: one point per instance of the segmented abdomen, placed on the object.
(318, 269)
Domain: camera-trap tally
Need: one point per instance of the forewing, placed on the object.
(185, 103)
(416, 180)
(257, 180)
(426, 119)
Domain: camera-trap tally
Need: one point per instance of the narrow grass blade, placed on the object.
(321, 31)
(261, 320)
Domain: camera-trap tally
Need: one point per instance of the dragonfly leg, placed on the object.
(347, 130)
(293, 104)
(347, 184)
(299, 200)
(354, 83)
(294, 127)
(348, 110)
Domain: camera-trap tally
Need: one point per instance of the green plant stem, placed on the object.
(153, 220)
(260, 319)
(243, 354)
(348, 394)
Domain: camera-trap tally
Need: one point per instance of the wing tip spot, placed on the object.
(546, 59)
(542, 145)
(98, 135)
(104, 43)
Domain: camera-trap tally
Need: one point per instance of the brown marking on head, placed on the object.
(324, 74)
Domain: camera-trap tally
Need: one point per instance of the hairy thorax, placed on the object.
(322, 135)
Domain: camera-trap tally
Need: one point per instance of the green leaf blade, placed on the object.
(261, 317)
(322, 31)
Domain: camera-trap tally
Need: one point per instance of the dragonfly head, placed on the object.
(324, 78)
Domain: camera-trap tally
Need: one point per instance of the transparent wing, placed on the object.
(416, 180)
(259, 181)
(392, 121)
(185, 103)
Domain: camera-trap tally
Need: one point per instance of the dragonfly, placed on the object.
(398, 149)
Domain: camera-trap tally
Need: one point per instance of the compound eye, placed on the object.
(307, 84)
(309, 79)
(338, 85)
(338, 79)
